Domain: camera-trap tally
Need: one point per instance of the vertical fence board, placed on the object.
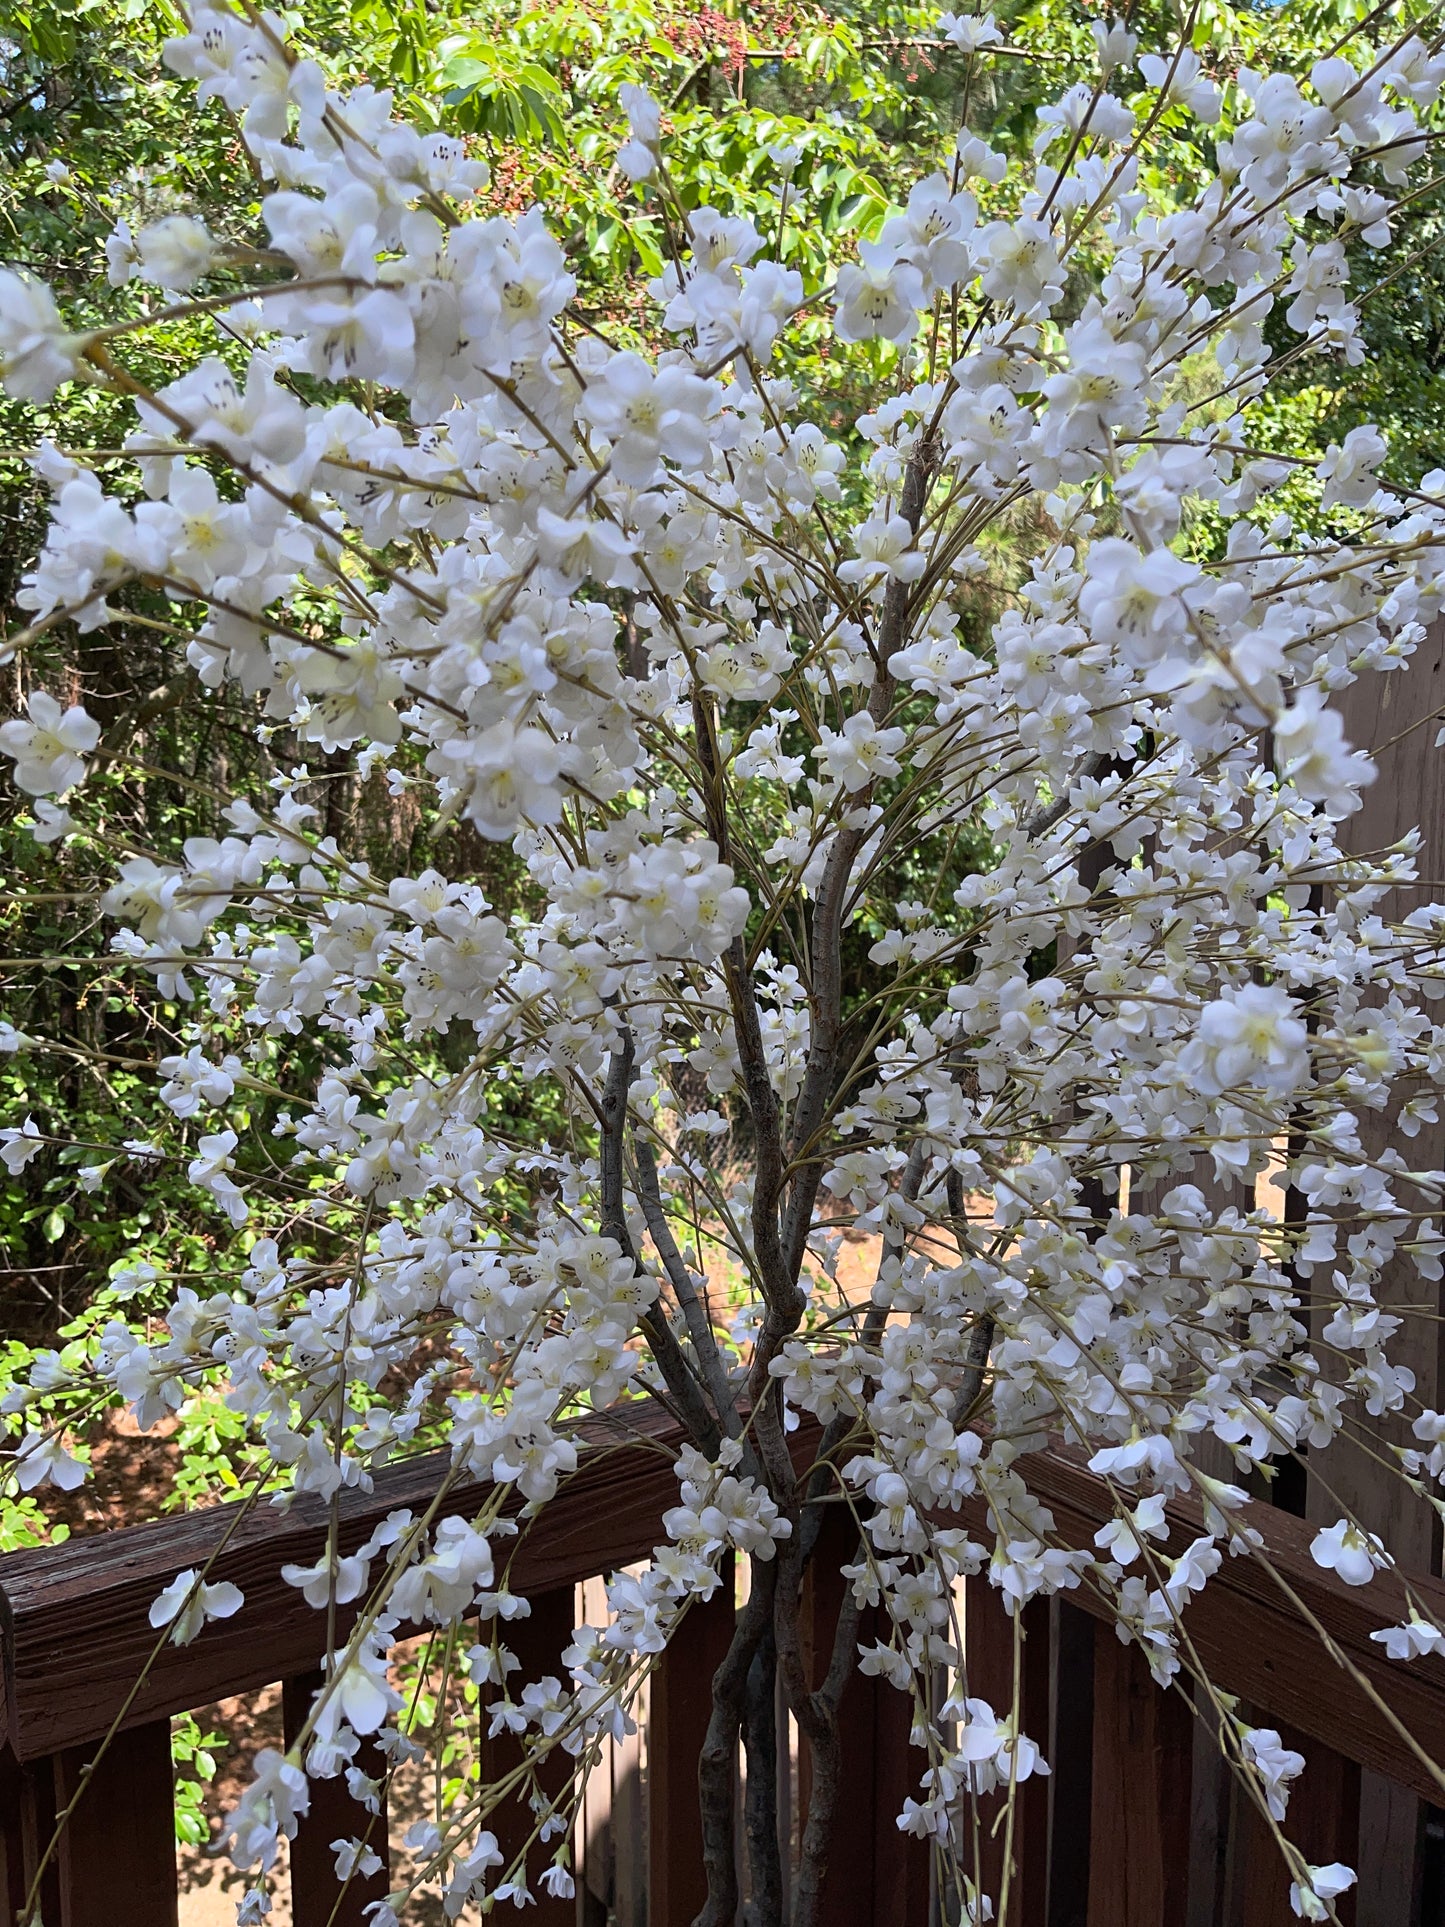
(876, 1876)
(1391, 1855)
(848, 1883)
(900, 1860)
(116, 1861)
(680, 1708)
(1143, 1744)
(629, 1822)
(1071, 1760)
(12, 1838)
(27, 1820)
(538, 1642)
(1210, 1807)
(317, 1896)
(989, 1653)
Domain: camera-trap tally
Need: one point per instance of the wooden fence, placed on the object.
(1135, 1827)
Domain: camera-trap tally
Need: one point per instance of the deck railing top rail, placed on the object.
(75, 1632)
(74, 1618)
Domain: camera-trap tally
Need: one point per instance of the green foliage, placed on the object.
(194, 1759)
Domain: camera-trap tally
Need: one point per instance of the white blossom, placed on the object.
(1344, 1549)
(189, 1602)
(50, 750)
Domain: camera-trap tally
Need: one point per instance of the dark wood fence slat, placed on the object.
(1211, 1827)
(1071, 1762)
(876, 1875)
(317, 1896)
(538, 1642)
(1143, 1743)
(989, 1653)
(116, 1861)
(848, 1881)
(12, 1838)
(679, 1710)
(27, 1820)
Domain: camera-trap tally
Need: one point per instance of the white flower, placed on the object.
(174, 252)
(271, 1806)
(1310, 1898)
(1023, 269)
(50, 749)
(316, 1582)
(507, 774)
(332, 236)
(193, 1083)
(931, 233)
(1275, 1763)
(40, 1458)
(880, 297)
(211, 1170)
(886, 552)
(1314, 756)
(37, 353)
(361, 1696)
(1123, 1538)
(648, 416)
(186, 1605)
(1181, 77)
(637, 157)
(1356, 1556)
(50, 821)
(969, 32)
(859, 753)
(1138, 602)
(120, 255)
(18, 1144)
(368, 335)
(644, 115)
(1116, 45)
(1412, 1638)
(354, 1859)
(1250, 1036)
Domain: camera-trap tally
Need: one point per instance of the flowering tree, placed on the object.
(917, 829)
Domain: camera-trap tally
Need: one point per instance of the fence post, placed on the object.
(1143, 1741)
(317, 1898)
(115, 1865)
(680, 1709)
(538, 1642)
(989, 1651)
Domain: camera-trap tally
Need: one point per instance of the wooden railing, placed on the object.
(1137, 1825)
